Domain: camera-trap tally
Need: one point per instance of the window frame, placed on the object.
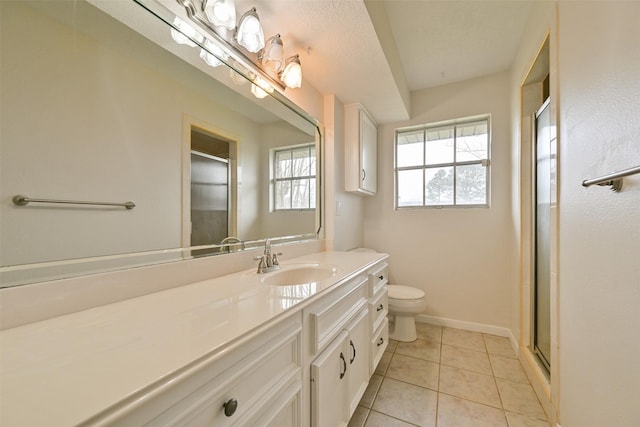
(274, 180)
(453, 124)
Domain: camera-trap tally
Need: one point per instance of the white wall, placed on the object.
(599, 277)
(459, 257)
(343, 211)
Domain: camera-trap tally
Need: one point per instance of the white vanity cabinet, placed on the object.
(254, 383)
(378, 311)
(339, 352)
(347, 335)
(361, 150)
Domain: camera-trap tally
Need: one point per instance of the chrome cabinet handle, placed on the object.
(230, 407)
(344, 366)
(381, 277)
(380, 307)
(364, 174)
(380, 342)
(354, 352)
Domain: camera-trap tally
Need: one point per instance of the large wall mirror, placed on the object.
(100, 103)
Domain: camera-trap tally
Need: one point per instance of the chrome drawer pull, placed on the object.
(381, 277)
(380, 342)
(354, 352)
(230, 407)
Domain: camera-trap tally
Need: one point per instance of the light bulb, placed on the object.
(221, 13)
(185, 33)
(213, 55)
(292, 74)
(249, 33)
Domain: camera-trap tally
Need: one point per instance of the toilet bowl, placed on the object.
(405, 303)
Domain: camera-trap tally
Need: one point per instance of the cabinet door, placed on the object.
(368, 153)
(330, 384)
(359, 337)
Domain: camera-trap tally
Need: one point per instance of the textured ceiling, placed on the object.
(376, 51)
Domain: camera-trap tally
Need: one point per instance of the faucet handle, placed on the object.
(275, 258)
(262, 265)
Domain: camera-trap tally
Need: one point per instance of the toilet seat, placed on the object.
(399, 292)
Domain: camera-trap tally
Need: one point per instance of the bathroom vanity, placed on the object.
(294, 347)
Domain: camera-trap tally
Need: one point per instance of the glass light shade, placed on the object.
(257, 88)
(185, 33)
(214, 55)
(249, 34)
(292, 73)
(272, 56)
(221, 13)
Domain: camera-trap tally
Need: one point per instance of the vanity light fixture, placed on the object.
(292, 73)
(245, 47)
(213, 54)
(221, 13)
(185, 33)
(272, 56)
(249, 33)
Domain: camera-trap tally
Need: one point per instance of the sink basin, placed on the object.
(299, 275)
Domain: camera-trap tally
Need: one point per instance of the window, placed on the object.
(294, 178)
(445, 164)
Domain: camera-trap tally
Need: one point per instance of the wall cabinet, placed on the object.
(361, 150)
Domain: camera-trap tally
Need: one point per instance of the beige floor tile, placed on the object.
(381, 369)
(461, 338)
(466, 359)
(469, 385)
(414, 371)
(520, 398)
(377, 419)
(508, 369)
(407, 402)
(391, 347)
(456, 412)
(359, 417)
(517, 420)
(422, 349)
(372, 390)
(427, 331)
(500, 346)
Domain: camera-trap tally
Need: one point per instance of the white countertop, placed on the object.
(64, 370)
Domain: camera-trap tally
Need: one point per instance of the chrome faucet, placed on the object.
(269, 260)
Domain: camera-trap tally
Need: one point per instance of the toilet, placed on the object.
(405, 303)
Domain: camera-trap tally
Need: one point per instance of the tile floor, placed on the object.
(449, 378)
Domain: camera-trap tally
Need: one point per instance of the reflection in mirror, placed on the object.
(102, 109)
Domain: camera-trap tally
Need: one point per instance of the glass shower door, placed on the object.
(542, 274)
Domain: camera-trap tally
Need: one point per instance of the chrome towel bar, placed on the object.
(21, 200)
(614, 180)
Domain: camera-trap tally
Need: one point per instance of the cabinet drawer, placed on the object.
(378, 309)
(332, 314)
(378, 277)
(378, 345)
(269, 378)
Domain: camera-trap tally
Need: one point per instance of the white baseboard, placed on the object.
(471, 326)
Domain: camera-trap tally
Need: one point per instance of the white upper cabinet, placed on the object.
(361, 146)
